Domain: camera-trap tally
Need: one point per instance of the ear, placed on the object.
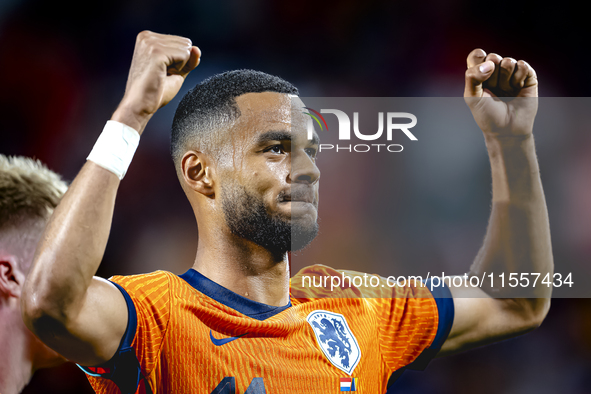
(198, 173)
(11, 278)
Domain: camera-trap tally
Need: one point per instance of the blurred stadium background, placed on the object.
(63, 67)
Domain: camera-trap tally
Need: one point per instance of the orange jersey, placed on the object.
(187, 334)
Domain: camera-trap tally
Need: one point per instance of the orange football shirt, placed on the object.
(187, 334)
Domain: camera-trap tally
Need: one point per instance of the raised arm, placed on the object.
(78, 315)
(518, 235)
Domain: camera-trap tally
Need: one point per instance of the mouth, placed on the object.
(303, 196)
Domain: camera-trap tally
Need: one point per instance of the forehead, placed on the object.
(261, 112)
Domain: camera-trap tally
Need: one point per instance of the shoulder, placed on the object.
(322, 281)
(316, 269)
(149, 285)
(320, 270)
(149, 279)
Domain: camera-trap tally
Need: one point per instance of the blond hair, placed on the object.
(28, 190)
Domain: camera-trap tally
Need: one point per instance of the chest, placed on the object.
(307, 348)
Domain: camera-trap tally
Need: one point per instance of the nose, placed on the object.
(303, 169)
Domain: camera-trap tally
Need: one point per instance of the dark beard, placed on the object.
(247, 217)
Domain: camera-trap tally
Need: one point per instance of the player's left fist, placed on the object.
(501, 93)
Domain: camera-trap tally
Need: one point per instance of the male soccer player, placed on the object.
(29, 192)
(230, 324)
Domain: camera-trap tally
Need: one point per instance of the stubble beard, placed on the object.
(247, 217)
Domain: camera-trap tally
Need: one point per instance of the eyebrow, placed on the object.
(315, 139)
(274, 136)
(283, 136)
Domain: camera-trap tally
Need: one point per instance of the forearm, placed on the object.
(518, 234)
(73, 245)
(82, 317)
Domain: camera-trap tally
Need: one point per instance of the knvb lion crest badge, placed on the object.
(336, 340)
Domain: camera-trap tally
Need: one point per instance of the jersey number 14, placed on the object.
(228, 386)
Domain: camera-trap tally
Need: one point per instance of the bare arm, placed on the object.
(78, 315)
(518, 234)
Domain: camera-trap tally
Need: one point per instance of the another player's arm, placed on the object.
(518, 234)
(78, 315)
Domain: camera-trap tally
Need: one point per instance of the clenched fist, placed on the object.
(491, 82)
(158, 69)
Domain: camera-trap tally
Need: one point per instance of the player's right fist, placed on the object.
(158, 69)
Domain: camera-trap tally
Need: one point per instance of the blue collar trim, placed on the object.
(247, 307)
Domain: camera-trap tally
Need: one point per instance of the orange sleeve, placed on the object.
(135, 365)
(407, 324)
(410, 320)
(150, 294)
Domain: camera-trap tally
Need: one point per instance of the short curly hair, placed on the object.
(212, 103)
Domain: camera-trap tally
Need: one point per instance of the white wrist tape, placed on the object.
(115, 147)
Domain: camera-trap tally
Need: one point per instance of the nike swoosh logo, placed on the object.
(223, 341)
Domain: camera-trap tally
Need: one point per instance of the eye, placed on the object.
(278, 149)
(312, 152)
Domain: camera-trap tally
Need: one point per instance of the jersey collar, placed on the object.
(250, 308)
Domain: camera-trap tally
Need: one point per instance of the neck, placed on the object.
(16, 364)
(243, 267)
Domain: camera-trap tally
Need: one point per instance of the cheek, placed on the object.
(279, 170)
(269, 186)
(265, 179)
(260, 184)
(270, 175)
